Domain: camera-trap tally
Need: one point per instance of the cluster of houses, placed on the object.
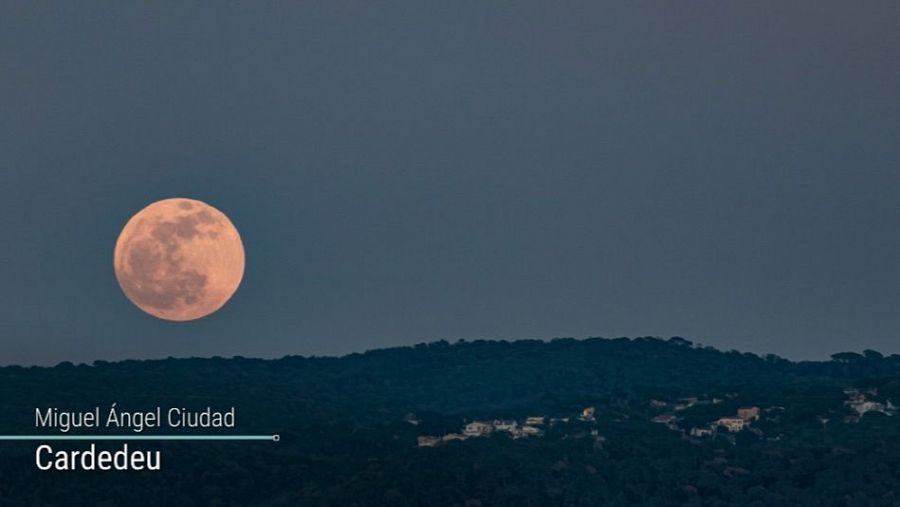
(686, 403)
(731, 424)
(532, 426)
(743, 419)
(857, 401)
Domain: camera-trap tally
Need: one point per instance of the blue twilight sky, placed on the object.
(411, 171)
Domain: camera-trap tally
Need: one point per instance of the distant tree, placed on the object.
(774, 358)
(873, 355)
(847, 357)
(677, 340)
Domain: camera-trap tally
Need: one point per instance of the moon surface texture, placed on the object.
(179, 259)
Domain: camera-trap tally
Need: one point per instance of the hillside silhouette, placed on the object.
(349, 427)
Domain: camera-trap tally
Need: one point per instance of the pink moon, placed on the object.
(179, 259)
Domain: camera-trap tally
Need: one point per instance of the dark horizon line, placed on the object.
(675, 340)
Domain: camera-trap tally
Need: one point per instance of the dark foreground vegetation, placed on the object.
(349, 428)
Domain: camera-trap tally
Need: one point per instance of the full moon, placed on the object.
(179, 259)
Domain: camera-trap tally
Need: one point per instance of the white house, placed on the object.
(478, 429)
(531, 430)
(867, 406)
(702, 432)
(733, 424)
(505, 425)
(669, 419)
(428, 441)
(535, 420)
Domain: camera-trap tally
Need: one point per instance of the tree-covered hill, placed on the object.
(349, 427)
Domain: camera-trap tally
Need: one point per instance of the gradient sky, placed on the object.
(724, 171)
